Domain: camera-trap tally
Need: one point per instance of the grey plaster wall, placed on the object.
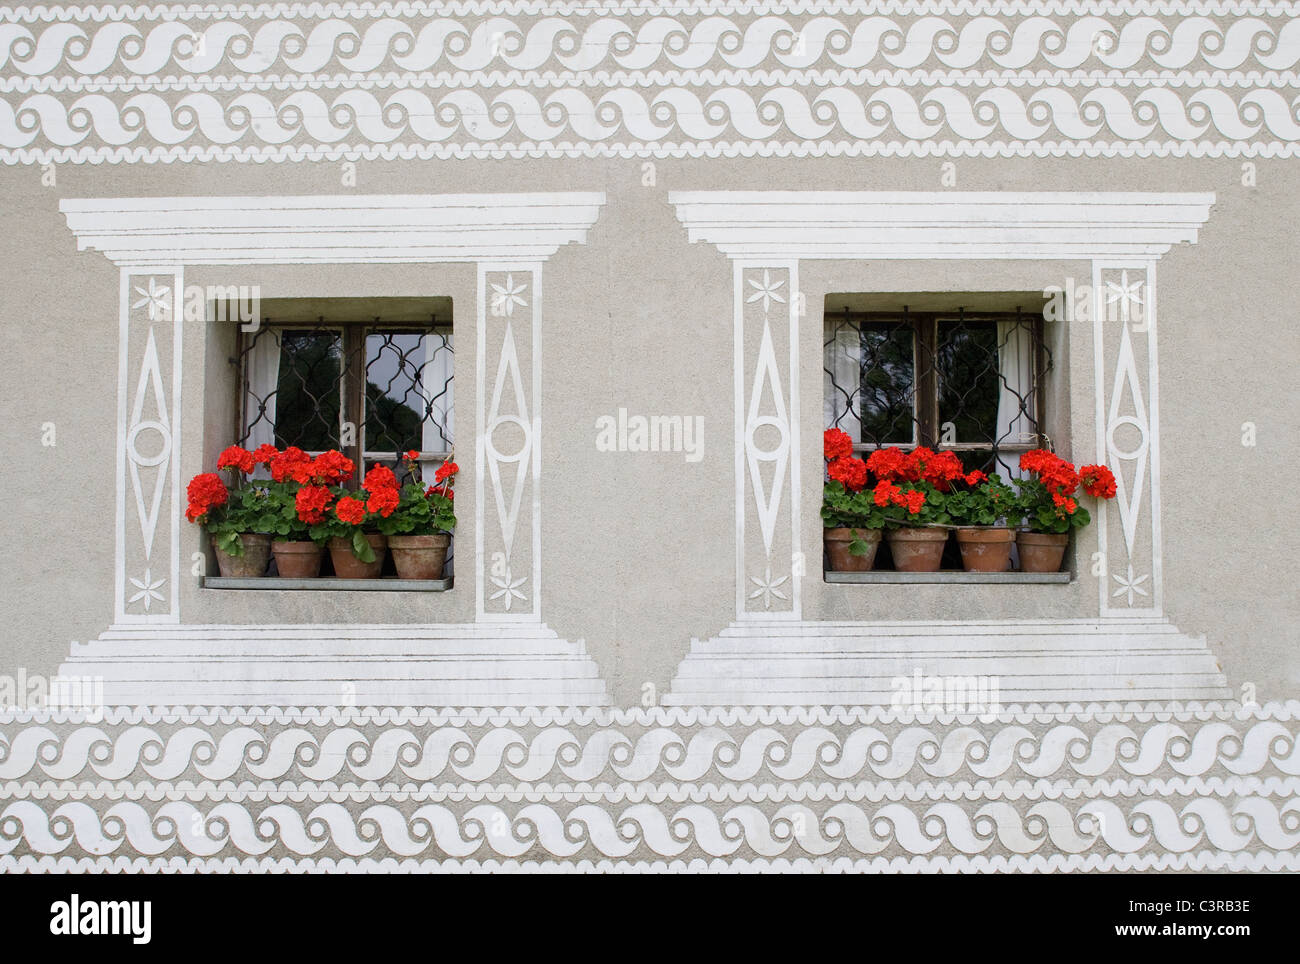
(638, 548)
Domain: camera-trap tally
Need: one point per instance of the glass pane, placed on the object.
(307, 389)
(966, 368)
(888, 384)
(869, 382)
(395, 408)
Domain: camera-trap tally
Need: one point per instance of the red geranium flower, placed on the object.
(445, 471)
(205, 491)
(331, 468)
(237, 457)
(886, 492)
(350, 510)
(913, 500)
(291, 464)
(263, 454)
(311, 503)
(1098, 481)
(836, 444)
(412, 456)
(975, 477)
(850, 472)
(379, 477)
(887, 464)
(383, 500)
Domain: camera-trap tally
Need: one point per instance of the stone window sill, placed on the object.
(947, 578)
(328, 584)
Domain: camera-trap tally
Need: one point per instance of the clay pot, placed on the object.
(837, 541)
(1041, 551)
(253, 563)
(346, 563)
(419, 557)
(917, 549)
(985, 548)
(297, 560)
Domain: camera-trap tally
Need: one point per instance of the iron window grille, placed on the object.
(392, 383)
(971, 382)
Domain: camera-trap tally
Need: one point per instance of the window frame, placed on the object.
(926, 423)
(353, 335)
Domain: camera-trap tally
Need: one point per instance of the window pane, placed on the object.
(395, 408)
(966, 368)
(870, 381)
(307, 389)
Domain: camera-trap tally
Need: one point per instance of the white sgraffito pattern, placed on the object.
(1039, 788)
(296, 81)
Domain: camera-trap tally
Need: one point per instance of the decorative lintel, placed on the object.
(894, 225)
(365, 229)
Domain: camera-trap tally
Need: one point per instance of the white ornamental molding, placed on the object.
(768, 561)
(357, 229)
(1040, 788)
(293, 81)
(149, 499)
(508, 503)
(908, 225)
(1128, 439)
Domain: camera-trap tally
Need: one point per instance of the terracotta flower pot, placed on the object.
(837, 541)
(917, 549)
(985, 548)
(297, 560)
(253, 563)
(419, 557)
(1041, 551)
(346, 563)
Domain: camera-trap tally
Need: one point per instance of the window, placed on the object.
(967, 380)
(371, 388)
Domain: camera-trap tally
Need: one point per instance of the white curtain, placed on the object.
(842, 370)
(439, 364)
(1016, 367)
(262, 370)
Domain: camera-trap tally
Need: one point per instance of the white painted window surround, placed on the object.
(772, 653)
(507, 656)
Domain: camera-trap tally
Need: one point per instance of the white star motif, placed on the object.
(505, 297)
(767, 588)
(1129, 585)
(154, 298)
(508, 588)
(148, 590)
(766, 291)
(1126, 294)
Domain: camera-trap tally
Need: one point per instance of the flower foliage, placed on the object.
(924, 487)
(305, 498)
(1048, 501)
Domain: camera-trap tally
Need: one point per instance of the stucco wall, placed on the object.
(638, 548)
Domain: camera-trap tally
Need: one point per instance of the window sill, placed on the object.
(328, 584)
(947, 578)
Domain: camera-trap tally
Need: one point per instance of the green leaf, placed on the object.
(361, 547)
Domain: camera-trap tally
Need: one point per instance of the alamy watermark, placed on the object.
(651, 433)
(35, 691)
(919, 693)
(240, 303)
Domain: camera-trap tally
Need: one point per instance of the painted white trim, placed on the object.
(894, 225)
(332, 229)
(738, 370)
(1153, 410)
(783, 663)
(1108, 391)
(339, 665)
(119, 550)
